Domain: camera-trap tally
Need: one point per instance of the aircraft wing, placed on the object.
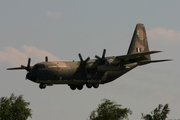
(20, 68)
(129, 58)
(15, 68)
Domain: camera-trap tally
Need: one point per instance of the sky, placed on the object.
(60, 29)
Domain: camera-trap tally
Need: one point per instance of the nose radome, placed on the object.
(31, 76)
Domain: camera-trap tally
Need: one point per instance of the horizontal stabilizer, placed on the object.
(153, 61)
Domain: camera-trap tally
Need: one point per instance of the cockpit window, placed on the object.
(39, 66)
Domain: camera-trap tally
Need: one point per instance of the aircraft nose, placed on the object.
(31, 76)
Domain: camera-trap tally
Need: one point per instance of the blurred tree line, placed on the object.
(16, 108)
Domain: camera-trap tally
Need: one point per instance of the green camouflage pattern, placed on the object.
(92, 72)
(139, 41)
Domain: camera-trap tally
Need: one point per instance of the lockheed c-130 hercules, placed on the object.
(92, 72)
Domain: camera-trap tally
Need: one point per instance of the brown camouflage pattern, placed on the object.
(139, 41)
(92, 72)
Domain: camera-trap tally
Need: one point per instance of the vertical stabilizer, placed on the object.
(139, 41)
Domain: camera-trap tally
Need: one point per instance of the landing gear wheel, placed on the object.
(80, 87)
(95, 85)
(89, 85)
(72, 87)
(42, 86)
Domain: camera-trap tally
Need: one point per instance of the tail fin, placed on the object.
(139, 41)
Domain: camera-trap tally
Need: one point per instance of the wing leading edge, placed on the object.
(136, 57)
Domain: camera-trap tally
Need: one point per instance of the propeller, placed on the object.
(102, 59)
(29, 75)
(83, 62)
(28, 68)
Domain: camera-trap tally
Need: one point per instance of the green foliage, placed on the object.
(14, 108)
(159, 113)
(109, 110)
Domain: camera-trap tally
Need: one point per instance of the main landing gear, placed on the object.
(90, 85)
(42, 86)
(80, 87)
(73, 87)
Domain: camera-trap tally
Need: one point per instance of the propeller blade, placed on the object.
(80, 57)
(97, 57)
(104, 53)
(83, 62)
(102, 59)
(87, 59)
(29, 62)
(23, 67)
(46, 59)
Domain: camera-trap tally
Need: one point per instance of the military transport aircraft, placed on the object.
(92, 72)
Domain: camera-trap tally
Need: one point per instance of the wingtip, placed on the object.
(157, 51)
(169, 59)
(9, 69)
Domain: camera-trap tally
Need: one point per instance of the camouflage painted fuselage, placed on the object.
(69, 73)
(95, 71)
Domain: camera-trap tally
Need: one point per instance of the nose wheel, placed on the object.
(42, 86)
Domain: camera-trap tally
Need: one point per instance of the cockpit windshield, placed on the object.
(38, 66)
(41, 66)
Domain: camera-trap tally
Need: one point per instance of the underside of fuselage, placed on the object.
(107, 77)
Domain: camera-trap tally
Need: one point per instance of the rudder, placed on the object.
(139, 41)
